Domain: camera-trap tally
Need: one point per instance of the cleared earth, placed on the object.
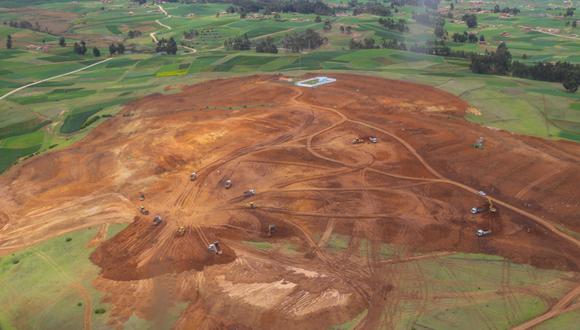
(412, 190)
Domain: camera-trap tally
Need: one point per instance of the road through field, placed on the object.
(52, 78)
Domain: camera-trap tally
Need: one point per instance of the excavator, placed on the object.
(489, 207)
(181, 231)
(215, 247)
(271, 229)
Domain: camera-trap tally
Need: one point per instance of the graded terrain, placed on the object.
(368, 235)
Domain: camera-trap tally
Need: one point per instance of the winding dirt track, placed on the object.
(334, 203)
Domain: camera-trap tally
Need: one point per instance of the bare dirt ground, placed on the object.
(413, 189)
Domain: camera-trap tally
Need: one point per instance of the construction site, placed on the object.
(266, 205)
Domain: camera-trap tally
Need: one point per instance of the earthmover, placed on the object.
(489, 207)
(215, 247)
(193, 176)
(252, 205)
(143, 210)
(482, 232)
(181, 231)
(228, 184)
(479, 143)
(141, 196)
(249, 192)
(157, 220)
(271, 229)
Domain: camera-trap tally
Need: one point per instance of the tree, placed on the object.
(77, 48)
(62, 42)
(327, 26)
(83, 48)
(8, 42)
(439, 31)
(470, 20)
(318, 19)
(571, 84)
(481, 38)
(171, 47)
(112, 49)
(96, 52)
(452, 7)
(574, 24)
(120, 48)
(266, 46)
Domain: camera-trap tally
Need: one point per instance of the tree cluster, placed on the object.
(569, 12)
(506, 10)
(398, 25)
(116, 49)
(373, 8)
(309, 39)
(346, 29)
(370, 43)
(238, 43)
(166, 46)
(8, 42)
(470, 20)
(466, 37)
(266, 46)
(191, 34)
(80, 48)
(134, 34)
(498, 62)
(285, 6)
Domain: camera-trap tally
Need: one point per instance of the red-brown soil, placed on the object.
(412, 189)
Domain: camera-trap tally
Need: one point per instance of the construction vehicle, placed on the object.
(252, 205)
(249, 193)
(193, 176)
(215, 247)
(271, 229)
(157, 220)
(482, 193)
(489, 207)
(181, 231)
(228, 184)
(358, 141)
(479, 143)
(143, 210)
(373, 139)
(476, 210)
(482, 232)
(141, 196)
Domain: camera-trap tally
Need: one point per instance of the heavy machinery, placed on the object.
(214, 247)
(482, 232)
(181, 231)
(228, 184)
(143, 210)
(358, 141)
(373, 139)
(489, 207)
(479, 143)
(157, 220)
(252, 205)
(271, 229)
(193, 176)
(249, 192)
(141, 196)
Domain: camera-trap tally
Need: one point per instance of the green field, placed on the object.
(69, 103)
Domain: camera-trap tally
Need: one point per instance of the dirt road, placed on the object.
(52, 78)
